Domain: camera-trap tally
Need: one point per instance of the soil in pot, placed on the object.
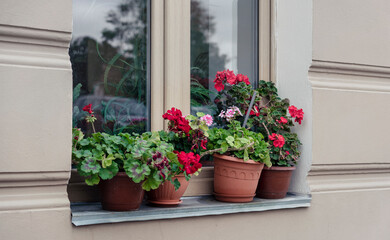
(165, 195)
(235, 180)
(121, 194)
(274, 182)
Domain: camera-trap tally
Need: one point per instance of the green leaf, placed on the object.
(244, 140)
(176, 184)
(246, 158)
(92, 180)
(76, 91)
(200, 114)
(152, 182)
(106, 162)
(230, 140)
(84, 142)
(109, 172)
(224, 147)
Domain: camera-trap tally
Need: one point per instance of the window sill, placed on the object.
(91, 213)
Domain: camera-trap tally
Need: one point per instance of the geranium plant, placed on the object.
(189, 136)
(237, 140)
(145, 158)
(269, 115)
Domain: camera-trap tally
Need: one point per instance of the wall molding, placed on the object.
(29, 47)
(33, 190)
(341, 169)
(349, 69)
(45, 37)
(349, 177)
(349, 77)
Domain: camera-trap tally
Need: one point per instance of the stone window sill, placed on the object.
(91, 213)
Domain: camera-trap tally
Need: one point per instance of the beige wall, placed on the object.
(341, 82)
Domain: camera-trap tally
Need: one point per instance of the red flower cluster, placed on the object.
(230, 78)
(298, 114)
(190, 162)
(278, 140)
(88, 108)
(177, 121)
(282, 120)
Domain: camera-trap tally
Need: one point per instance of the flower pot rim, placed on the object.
(235, 159)
(279, 168)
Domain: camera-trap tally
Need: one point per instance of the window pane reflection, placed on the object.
(224, 35)
(109, 52)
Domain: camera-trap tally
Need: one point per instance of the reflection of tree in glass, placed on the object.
(113, 72)
(204, 55)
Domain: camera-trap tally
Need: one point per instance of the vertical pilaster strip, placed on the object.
(264, 39)
(157, 64)
(177, 54)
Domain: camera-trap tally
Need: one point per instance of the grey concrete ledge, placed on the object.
(91, 213)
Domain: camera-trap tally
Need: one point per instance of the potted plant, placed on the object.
(268, 115)
(239, 156)
(189, 137)
(122, 165)
(274, 117)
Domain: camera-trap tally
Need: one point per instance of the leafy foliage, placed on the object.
(240, 142)
(268, 116)
(102, 156)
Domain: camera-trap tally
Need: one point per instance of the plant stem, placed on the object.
(228, 150)
(93, 127)
(266, 129)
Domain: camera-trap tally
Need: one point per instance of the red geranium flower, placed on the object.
(278, 140)
(231, 77)
(243, 78)
(190, 162)
(177, 121)
(282, 120)
(219, 85)
(295, 113)
(88, 108)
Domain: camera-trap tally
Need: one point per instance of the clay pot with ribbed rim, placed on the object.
(235, 180)
(120, 193)
(165, 195)
(274, 182)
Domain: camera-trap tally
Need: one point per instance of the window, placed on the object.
(224, 35)
(109, 54)
(114, 70)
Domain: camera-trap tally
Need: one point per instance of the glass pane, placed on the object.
(224, 35)
(109, 54)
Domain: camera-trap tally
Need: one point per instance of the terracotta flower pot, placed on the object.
(235, 180)
(274, 182)
(165, 195)
(120, 193)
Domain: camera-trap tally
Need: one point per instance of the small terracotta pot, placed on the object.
(121, 194)
(165, 195)
(235, 180)
(274, 182)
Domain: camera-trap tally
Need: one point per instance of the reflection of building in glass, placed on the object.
(110, 63)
